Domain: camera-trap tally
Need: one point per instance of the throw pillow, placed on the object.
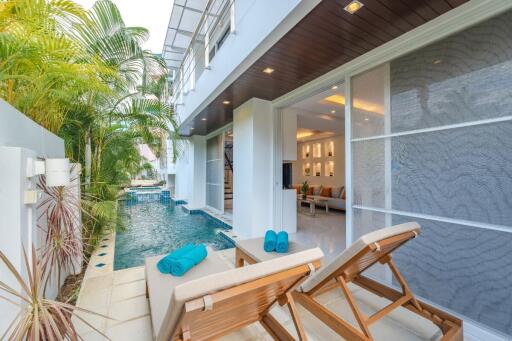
(317, 190)
(336, 192)
(326, 192)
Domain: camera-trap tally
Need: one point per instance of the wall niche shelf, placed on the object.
(317, 150)
(329, 168)
(317, 169)
(306, 152)
(306, 169)
(329, 149)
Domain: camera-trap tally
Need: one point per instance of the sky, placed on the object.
(151, 14)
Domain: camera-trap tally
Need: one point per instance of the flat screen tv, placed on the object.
(287, 175)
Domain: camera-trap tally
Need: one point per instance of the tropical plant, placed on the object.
(85, 76)
(39, 318)
(60, 218)
(304, 189)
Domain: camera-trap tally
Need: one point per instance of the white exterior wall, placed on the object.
(253, 168)
(20, 139)
(190, 178)
(259, 25)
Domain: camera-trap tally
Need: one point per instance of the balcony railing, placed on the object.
(216, 24)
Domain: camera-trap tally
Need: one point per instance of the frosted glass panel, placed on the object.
(465, 77)
(368, 103)
(463, 173)
(368, 173)
(454, 178)
(468, 270)
(214, 173)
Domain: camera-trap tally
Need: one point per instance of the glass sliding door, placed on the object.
(215, 172)
(432, 142)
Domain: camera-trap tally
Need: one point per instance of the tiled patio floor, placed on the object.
(121, 296)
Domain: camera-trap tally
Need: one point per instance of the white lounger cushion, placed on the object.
(210, 284)
(161, 287)
(354, 249)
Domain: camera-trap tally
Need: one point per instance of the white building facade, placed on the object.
(425, 102)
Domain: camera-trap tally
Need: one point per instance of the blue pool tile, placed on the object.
(102, 254)
(100, 265)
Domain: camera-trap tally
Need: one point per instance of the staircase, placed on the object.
(228, 176)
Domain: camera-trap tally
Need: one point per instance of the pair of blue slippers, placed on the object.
(277, 242)
(178, 262)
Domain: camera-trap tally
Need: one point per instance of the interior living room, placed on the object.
(318, 173)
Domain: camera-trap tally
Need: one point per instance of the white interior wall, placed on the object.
(337, 180)
(253, 168)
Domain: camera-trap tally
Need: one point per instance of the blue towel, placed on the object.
(164, 264)
(282, 242)
(269, 244)
(180, 266)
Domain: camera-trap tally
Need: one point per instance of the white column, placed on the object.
(253, 168)
(198, 186)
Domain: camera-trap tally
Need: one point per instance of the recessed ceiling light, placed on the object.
(353, 6)
(334, 87)
(203, 119)
(437, 61)
(366, 119)
(226, 102)
(268, 70)
(192, 128)
(333, 111)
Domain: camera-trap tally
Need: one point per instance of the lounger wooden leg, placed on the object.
(360, 317)
(295, 317)
(239, 259)
(275, 329)
(403, 284)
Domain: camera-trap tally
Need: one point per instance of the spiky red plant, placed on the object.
(39, 318)
(60, 212)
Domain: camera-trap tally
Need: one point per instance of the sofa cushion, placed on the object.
(336, 192)
(317, 190)
(310, 190)
(343, 194)
(325, 192)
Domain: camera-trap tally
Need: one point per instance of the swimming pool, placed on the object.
(159, 227)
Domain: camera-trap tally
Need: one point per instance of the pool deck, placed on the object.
(121, 295)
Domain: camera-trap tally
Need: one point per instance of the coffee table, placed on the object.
(312, 201)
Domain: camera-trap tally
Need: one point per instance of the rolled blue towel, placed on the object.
(164, 264)
(269, 243)
(180, 266)
(282, 242)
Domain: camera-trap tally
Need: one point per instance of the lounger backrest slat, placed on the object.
(237, 306)
(373, 254)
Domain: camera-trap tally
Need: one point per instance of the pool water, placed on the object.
(159, 227)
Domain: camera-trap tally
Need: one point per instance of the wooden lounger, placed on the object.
(216, 300)
(348, 266)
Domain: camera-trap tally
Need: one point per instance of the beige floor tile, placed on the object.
(128, 309)
(136, 330)
(95, 299)
(129, 275)
(98, 322)
(128, 290)
(93, 336)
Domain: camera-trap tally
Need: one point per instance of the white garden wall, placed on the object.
(21, 139)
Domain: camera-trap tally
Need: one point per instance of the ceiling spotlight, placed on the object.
(437, 61)
(366, 119)
(334, 87)
(353, 6)
(333, 111)
(268, 70)
(203, 119)
(192, 128)
(226, 102)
